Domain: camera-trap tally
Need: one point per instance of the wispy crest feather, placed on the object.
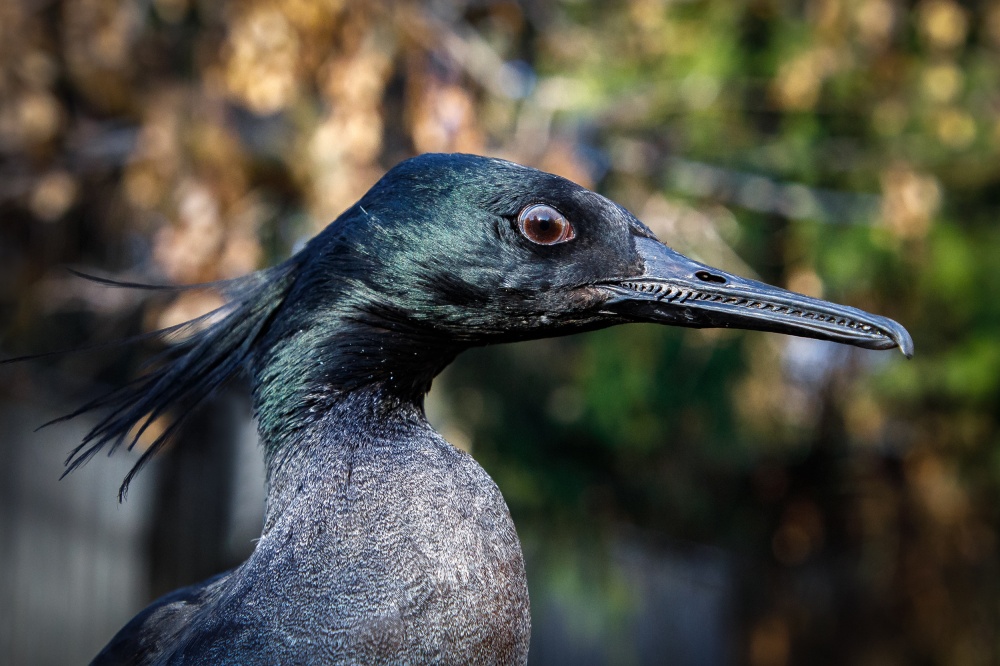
(185, 373)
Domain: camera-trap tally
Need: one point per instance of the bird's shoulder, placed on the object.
(151, 636)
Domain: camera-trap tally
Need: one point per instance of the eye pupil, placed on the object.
(544, 225)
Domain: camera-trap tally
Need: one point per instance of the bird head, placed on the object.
(477, 250)
(447, 252)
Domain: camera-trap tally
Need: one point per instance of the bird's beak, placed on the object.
(679, 291)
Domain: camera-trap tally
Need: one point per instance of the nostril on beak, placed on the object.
(705, 276)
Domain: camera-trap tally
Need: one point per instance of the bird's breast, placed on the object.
(405, 551)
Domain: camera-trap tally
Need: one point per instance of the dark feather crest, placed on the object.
(186, 373)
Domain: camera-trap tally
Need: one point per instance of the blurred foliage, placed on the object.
(848, 149)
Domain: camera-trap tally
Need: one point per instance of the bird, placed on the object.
(382, 543)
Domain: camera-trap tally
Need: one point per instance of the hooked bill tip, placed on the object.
(901, 337)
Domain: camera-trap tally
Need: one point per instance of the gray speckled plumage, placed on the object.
(319, 587)
(383, 544)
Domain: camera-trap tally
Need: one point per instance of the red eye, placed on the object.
(545, 225)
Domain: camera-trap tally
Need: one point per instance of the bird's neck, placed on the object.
(323, 390)
(319, 457)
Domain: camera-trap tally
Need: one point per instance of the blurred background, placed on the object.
(683, 496)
